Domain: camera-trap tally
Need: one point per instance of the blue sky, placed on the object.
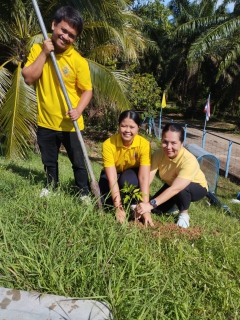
(230, 5)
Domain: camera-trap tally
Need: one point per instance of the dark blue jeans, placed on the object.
(129, 175)
(49, 142)
(193, 192)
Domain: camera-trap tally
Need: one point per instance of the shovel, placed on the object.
(93, 184)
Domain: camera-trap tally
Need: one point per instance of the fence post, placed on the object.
(185, 134)
(228, 158)
(143, 121)
(204, 138)
(154, 127)
(150, 126)
(160, 126)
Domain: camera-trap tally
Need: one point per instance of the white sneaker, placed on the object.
(86, 200)
(235, 201)
(44, 193)
(183, 220)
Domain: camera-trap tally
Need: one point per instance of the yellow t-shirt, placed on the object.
(185, 166)
(52, 106)
(114, 153)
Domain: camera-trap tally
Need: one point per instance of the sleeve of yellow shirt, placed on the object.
(34, 52)
(108, 154)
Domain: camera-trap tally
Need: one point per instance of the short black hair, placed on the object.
(174, 127)
(131, 115)
(71, 16)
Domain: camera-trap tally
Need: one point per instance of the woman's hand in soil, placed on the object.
(147, 219)
(120, 214)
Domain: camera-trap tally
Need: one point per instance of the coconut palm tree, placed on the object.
(158, 29)
(17, 101)
(185, 79)
(211, 50)
(220, 45)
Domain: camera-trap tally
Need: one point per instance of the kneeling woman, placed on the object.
(179, 169)
(126, 157)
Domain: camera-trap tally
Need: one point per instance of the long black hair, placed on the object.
(131, 115)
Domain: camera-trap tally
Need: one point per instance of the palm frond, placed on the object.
(197, 25)
(133, 42)
(18, 116)
(37, 38)
(4, 32)
(5, 83)
(102, 36)
(205, 41)
(110, 42)
(229, 59)
(104, 54)
(111, 85)
(100, 9)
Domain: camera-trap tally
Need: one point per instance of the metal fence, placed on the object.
(227, 151)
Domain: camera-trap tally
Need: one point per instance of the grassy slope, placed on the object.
(55, 245)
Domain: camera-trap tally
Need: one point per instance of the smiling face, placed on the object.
(63, 36)
(171, 144)
(128, 130)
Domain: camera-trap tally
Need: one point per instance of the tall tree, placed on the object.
(186, 79)
(208, 39)
(17, 102)
(158, 30)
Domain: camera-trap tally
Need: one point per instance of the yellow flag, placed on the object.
(164, 104)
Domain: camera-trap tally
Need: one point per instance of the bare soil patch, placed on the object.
(171, 230)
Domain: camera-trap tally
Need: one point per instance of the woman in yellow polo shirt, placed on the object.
(179, 169)
(126, 157)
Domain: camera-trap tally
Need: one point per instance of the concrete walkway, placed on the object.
(23, 305)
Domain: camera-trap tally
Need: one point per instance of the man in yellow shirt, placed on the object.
(55, 121)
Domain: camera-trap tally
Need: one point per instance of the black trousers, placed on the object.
(49, 142)
(193, 192)
(129, 175)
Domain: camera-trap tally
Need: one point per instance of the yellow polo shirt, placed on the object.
(52, 106)
(185, 166)
(114, 153)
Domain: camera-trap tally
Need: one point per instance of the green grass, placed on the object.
(55, 245)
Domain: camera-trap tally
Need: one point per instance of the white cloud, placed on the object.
(230, 6)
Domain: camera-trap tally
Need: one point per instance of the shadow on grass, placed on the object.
(93, 159)
(97, 159)
(36, 177)
(33, 175)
